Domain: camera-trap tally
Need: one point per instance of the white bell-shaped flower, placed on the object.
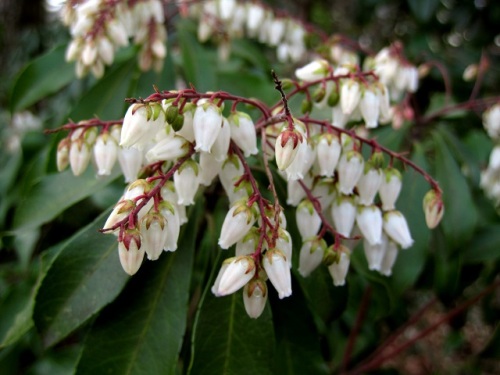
(301, 163)
(308, 220)
(311, 255)
(375, 253)
(186, 182)
(79, 156)
(220, 147)
(154, 234)
(397, 229)
(339, 118)
(243, 133)
(313, 71)
(328, 153)
(140, 124)
(278, 271)
(350, 169)
(344, 214)
(170, 212)
(390, 188)
(338, 270)
(131, 253)
(350, 96)
(287, 146)
(368, 185)
(255, 298)
(207, 123)
(248, 243)
(237, 274)
(130, 160)
(284, 244)
(209, 168)
(295, 192)
(324, 191)
(369, 221)
(239, 219)
(491, 121)
(168, 149)
(105, 153)
(370, 107)
(390, 256)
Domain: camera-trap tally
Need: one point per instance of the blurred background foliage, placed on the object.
(67, 307)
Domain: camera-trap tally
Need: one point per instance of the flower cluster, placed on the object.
(100, 27)
(227, 19)
(184, 140)
(490, 177)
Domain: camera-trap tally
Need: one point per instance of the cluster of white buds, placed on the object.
(100, 27)
(394, 70)
(352, 96)
(235, 19)
(183, 140)
(490, 177)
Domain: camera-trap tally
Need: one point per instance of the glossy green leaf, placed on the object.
(423, 9)
(198, 63)
(43, 76)
(142, 331)
(484, 247)
(84, 278)
(226, 341)
(297, 341)
(53, 194)
(460, 215)
(106, 99)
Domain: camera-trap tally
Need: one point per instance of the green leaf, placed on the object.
(142, 331)
(226, 341)
(423, 9)
(484, 247)
(106, 99)
(43, 76)
(297, 341)
(84, 278)
(460, 216)
(53, 194)
(198, 63)
(16, 315)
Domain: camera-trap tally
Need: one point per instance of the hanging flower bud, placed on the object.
(168, 149)
(255, 297)
(308, 220)
(396, 227)
(433, 209)
(278, 271)
(324, 191)
(187, 130)
(154, 234)
(220, 148)
(186, 182)
(375, 253)
(390, 188)
(313, 71)
(284, 244)
(238, 273)
(130, 251)
(339, 118)
(140, 124)
(344, 214)
(239, 219)
(370, 107)
(248, 243)
(170, 213)
(243, 133)
(369, 221)
(369, 182)
(130, 162)
(328, 153)
(338, 269)
(63, 154)
(491, 121)
(311, 255)
(120, 212)
(349, 96)
(287, 146)
(79, 156)
(349, 169)
(209, 168)
(207, 123)
(302, 162)
(105, 153)
(391, 253)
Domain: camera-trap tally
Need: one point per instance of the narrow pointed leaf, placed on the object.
(142, 331)
(226, 341)
(84, 278)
